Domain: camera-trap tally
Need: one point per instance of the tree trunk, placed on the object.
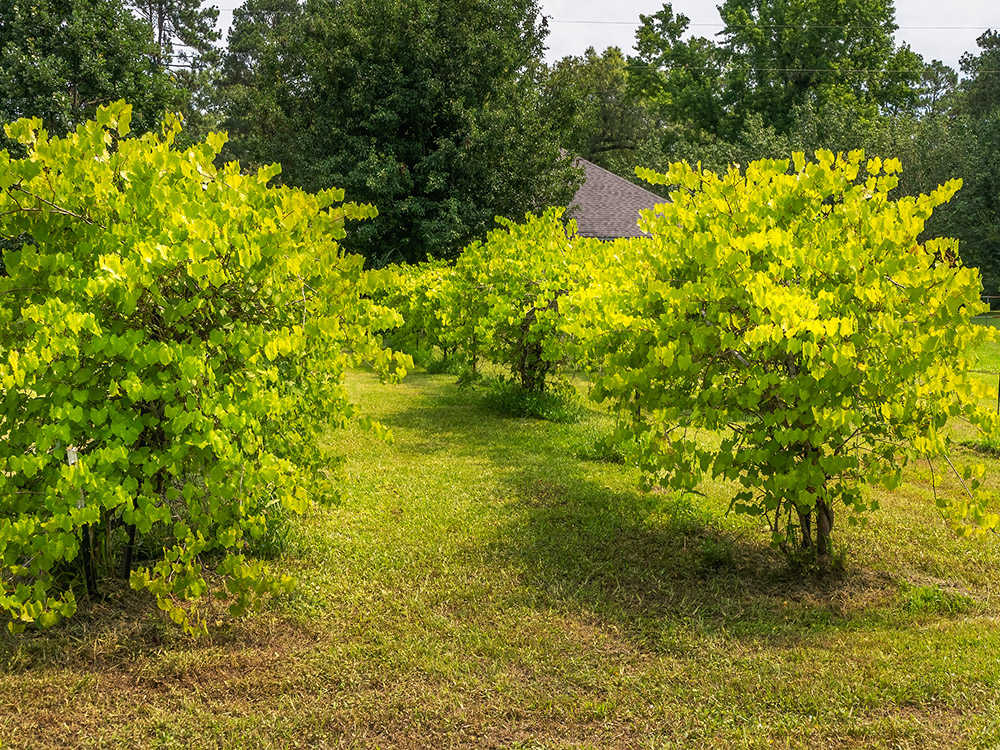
(824, 529)
(805, 526)
(87, 553)
(126, 571)
(531, 364)
(532, 368)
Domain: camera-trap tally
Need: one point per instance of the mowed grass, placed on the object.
(486, 583)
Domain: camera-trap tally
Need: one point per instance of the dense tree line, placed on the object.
(443, 114)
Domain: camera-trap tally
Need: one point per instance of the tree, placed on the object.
(682, 79)
(601, 118)
(900, 90)
(784, 53)
(790, 308)
(266, 72)
(184, 36)
(62, 59)
(786, 75)
(427, 108)
(173, 341)
(937, 88)
(183, 30)
(981, 86)
(975, 219)
(499, 302)
(965, 138)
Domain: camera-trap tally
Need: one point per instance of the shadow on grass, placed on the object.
(637, 560)
(631, 558)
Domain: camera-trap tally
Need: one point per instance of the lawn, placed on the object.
(486, 583)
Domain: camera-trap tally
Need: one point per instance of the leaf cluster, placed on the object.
(168, 334)
(500, 301)
(791, 308)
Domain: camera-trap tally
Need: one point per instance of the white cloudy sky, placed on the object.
(936, 29)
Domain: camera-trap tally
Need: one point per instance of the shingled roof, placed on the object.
(607, 206)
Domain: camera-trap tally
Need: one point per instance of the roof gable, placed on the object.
(606, 205)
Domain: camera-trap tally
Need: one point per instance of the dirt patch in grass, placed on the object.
(120, 674)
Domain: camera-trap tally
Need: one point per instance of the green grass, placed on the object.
(489, 582)
(506, 397)
(989, 357)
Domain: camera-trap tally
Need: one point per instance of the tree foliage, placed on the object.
(784, 53)
(168, 334)
(499, 302)
(590, 101)
(427, 108)
(682, 77)
(265, 66)
(794, 312)
(183, 30)
(981, 87)
(975, 119)
(62, 59)
(184, 36)
(785, 75)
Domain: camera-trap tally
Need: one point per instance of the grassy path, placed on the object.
(481, 585)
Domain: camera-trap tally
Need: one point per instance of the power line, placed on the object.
(780, 25)
(727, 71)
(717, 24)
(859, 71)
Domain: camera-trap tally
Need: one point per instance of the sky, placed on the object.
(936, 29)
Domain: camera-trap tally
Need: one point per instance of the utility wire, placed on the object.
(717, 24)
(783, 26)
(846, 71)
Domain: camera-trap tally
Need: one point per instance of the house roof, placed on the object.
(606, 205)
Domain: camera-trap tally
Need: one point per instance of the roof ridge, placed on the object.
(619, 177)
(607, 205)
